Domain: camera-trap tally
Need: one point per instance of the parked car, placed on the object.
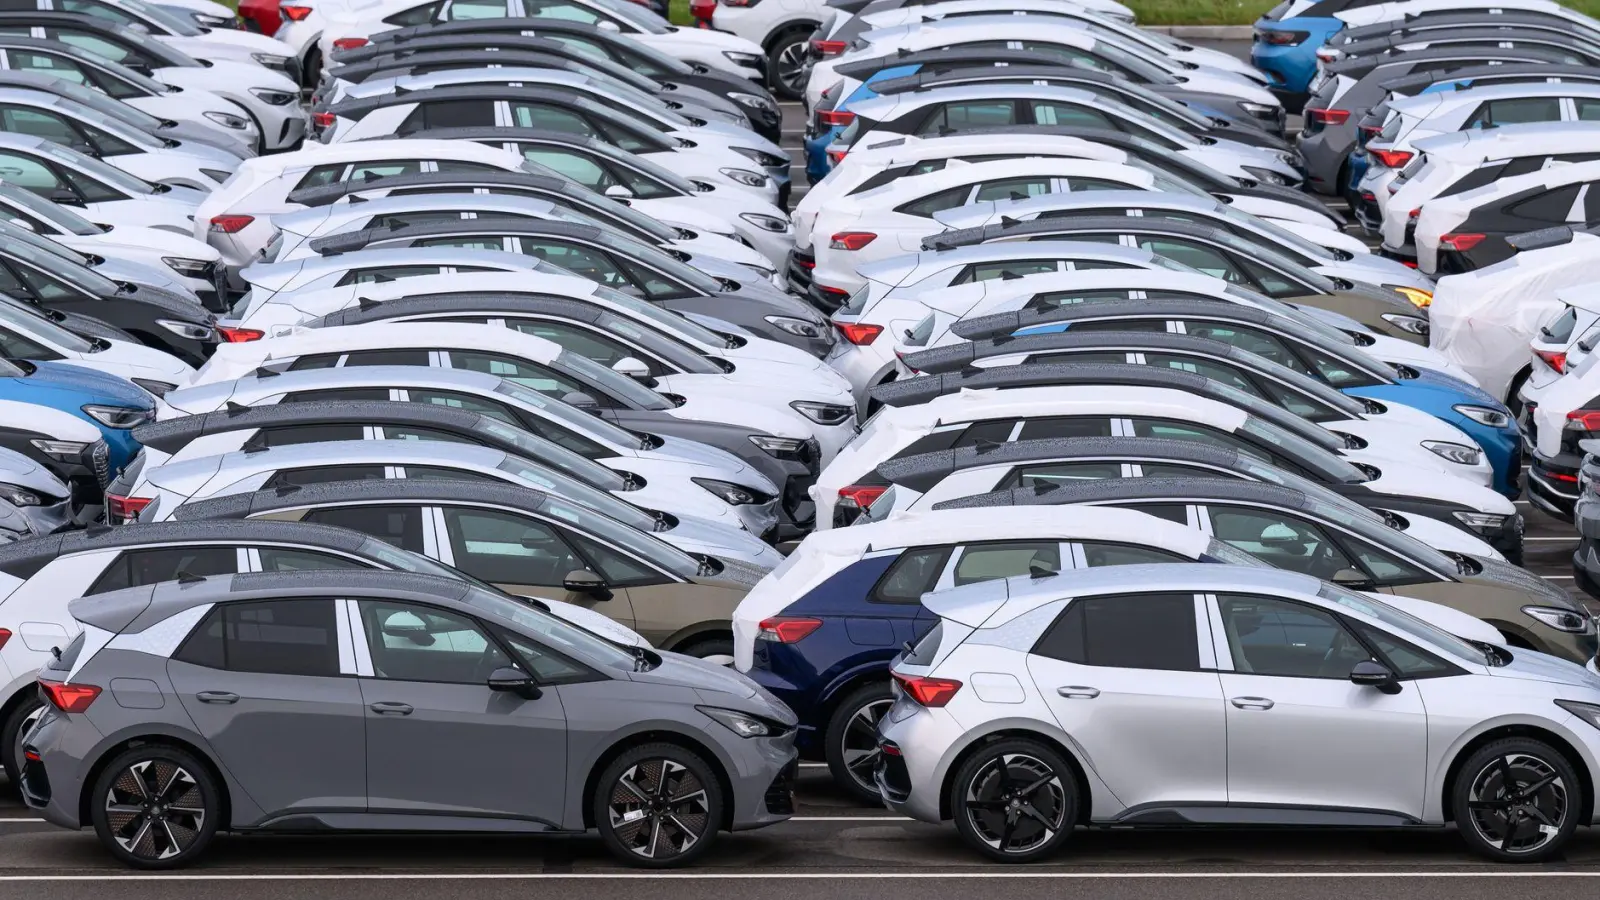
(1469, 230)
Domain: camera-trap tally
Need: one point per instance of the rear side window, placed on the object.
(1516, 110)
(912, 575)
(141, 567)
(397, 525)
(1127, 631)
(926, 648)
(279, 637)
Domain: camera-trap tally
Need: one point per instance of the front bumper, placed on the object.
(1553, 484)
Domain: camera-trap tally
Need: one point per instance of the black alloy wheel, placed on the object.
(155, 807)
(1015, 800)
(658, 806)
(1517, 800)
(852, 740)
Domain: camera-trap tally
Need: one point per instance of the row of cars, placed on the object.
(511, 380)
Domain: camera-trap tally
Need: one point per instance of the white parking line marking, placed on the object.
(768, 876)
(1568, 539)
(1557, 577)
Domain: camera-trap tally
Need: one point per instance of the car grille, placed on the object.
(780, 794)
(100, 462)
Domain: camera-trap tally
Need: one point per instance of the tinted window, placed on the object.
(927, 206)
(141, 567)
(1098, 554)
(1012, 189)
(970, 114)
(397, 525)
(420, 643)
(409, 357)
(1172, 512)
(912, 575)
(1131, 631)
(1069, 114)
(1052, 474)
(985, 562)
(1404, 660)
(15, 346)
(1514, 110)
(337, 394)
(1065, 427)
(322, 475)
(309, 434)
(521, 371)
(618, 569)
(279, 637)
(1268, 636)
(1281, 541)
(503, 548)
(283, 559)
(1552, 207)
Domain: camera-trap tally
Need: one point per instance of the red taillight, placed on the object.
(837, 296)
(930, 692)
(232, 334)
(1554, 360)
(323, 119)
(5, 635)
(828, 118)
(230, 224)
(69, 698)
(1394, 159)
(126, 509)
(1461, 243)
(1329, 116)
(1372, 131)
(859, 333)
(826, 49)
(1588, 419)
(295, 13)
(837, 156)
(805, 263)
(786, 629)
(851, 240)
(702, 9)
(349, 43)
(1412, 216)
(1369, 197)
(861, 496)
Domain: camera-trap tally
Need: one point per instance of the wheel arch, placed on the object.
(111, 749)
(1566, 747)
(662, 733)
(710, 629)
(804, 23)
(1027, 731)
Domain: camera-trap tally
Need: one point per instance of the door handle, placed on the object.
(1251, 702)
(390, 708)
(217, 697)
(1078, 692)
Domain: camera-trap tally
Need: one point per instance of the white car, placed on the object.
(783, 30)
(236, 218)
(181, 33)
(1092, 410)
(544, 366)
(205, 13)
(1449, 164)
(106, 194)
(1034, 33)
(265, 281)
(1566, 338)
(713, 49)
(27, 335)
(1553, 196)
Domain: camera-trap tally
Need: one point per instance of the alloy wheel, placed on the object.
(659, 809)
(155, 809)
(789, 67)
(1015, 803)
(858, 744)
(1518, 803)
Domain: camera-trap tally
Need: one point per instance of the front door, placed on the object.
(1300, 734)
(439, 741)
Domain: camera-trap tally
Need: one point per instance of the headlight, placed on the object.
(731, 494)
(66, 451)
(237, 123)
(777, 447)
(1585, 711)
(1456, 453)
(766, 159)
(1265, 176)
(1567, 620)
(187, 329)
(1419, 298)
(744, 726)
(1292, 160)
(743, 59)
(1483, 415)
(117, 416)
(183, 265)
(745, 177)
(272, 61)
(1408, 324)
(769, 223)
(1262, 110)
(797, 327)
(753, 101)
(159, 388)
(822, 413)
(272, 97)
(1483, 523)
(19, 496)
(207, 21)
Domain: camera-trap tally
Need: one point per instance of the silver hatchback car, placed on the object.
(433, 705)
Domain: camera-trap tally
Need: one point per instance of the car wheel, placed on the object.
(852, 740)
(786, 63)
(17, 723)
(658, 806)
(156, 807)
(714, 650)
(1015, 800)
(1517, 800)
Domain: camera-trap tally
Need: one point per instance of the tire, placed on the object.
(11, 730)
(850, 742)
(787, 53)
(717, 650)
(1518, 825)
(1015, 800)
(681, 812)
(156, 807)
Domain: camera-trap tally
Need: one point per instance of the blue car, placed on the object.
(1285, 45)
(111, 404)
(830, 120)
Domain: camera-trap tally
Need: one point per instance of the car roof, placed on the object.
(267, 382)
(877, 107)
(856, 68)
(389, 336)
(1368, 66)
(349, 241)
(1014, 250)
(1010, 322)
(332, 493)
(1161, 224)
(1425, 104)
(1196, 489)
(1521, 139)
(24, 558)
(171, 435)
(921, 471)
(527, 302)
(329, 453)
(328, 193)
(928, 528)
(557, 95)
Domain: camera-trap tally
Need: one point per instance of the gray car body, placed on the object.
(565, 735)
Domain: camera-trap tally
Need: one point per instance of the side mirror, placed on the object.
(583, 581)
(618, 192)
(514, 681)
(1371, 673)
(64, 197)
(631, 367)
(137, 27)
(582, 401)
(23, 223)
(405, 625)
(1351, 577)
(608, 25)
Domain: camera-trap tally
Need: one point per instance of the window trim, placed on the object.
(342, 640)
(1351, 625)
(1205, 637)
(363, 646)
(877, 596)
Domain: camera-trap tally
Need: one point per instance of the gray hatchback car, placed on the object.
(430, 705)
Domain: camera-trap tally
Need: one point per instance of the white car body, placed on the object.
(146, 366)
(1442, 215)
(1565, 339)
(280, 127)
(1555, 399)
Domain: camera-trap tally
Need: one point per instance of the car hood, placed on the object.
(1401, 480)
(191, 134)
(139, 274)
(764, 383)
(98, 386)
(740, 406)
(690, 451)
(1531, 665)
(726, 543)
(662, 470)
(736, 136)
(138, 237)
(225, 76)
(685, 38)
(686, 671)
(591, 621)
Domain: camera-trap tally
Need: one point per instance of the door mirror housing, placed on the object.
(583, 581)
(405, 625)
(64, 196)
(631, 366)
(1371, 673)
(618, 192)
(608, 25)
(514, 681)
(1351, 578)
(580, 400)
(23, 224)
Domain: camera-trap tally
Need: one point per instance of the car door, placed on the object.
(439, 741)
(1131, 679)
(1282, 541)
(1300, 734)
(263, 683)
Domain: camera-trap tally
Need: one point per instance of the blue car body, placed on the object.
(816, 142)
(1290, 67)
(70, 388)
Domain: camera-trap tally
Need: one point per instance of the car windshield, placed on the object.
(16, 233)
(1412, 627)
(60, 266)
(555, 632)
(550, 481)
(35, 325)
(163, 53)
(633, 540)
(568, 417)
(107, 106)
(168, 22)
(578, 196)
(95, 168)
(106, 67)
(1279, 416)
(636, 15)
(57, 215)
(661, 262)
(1334, 467)
(1279, 233)
(675, 353)
(552, 454)
(612, 383)
(1378, 532)
(680, 327)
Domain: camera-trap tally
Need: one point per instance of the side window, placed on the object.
(581, 169)
(503, 548)
(994, 431)
(559, 9)
(1283, 542)
(583, 342)
(319, 176)
(441, 473)
(1488, 173)
(986, 562)
(464, 242)
(927, 206)
(1126, 631)
(618, 569)
(463, 401)
(1588, 109)
(1097, 554)
(51, 127)
(1269, 636)
(1012, 189)
(915, 573)
(1052, 474)
(385, 274)
(550, 118)
(1553, 206)
(408, 357)
(140, 567)
(288, 435)
(1171, 512)
(588, 262)
(15, 346)
(1055, 299)
(344, 394)
(1206, 259)
(1065, 427)
(1260, 343)
(416, 15)
(98, 46)
(547, 666)
(1069, 114)
(420, 643)
(970, 114)
(283, 559)
(1405, 660)
(1214, 370)
(27, 172)
(277, 637)
(397, 525)
(1385, 568)
(1184, 431)
(1516, 110)
(476, 9)
(522, 372)
(1015, 268)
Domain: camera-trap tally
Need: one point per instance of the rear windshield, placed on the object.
(1559, 329)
